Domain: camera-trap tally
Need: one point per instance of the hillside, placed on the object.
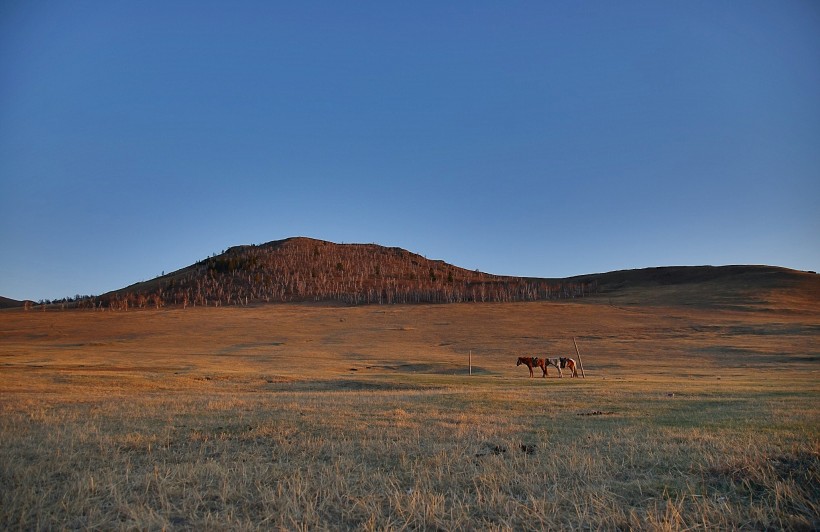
(308, 270)
(748, 287)
(304, 269)
(9, 303)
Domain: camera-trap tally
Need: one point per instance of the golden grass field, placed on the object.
(306, 417)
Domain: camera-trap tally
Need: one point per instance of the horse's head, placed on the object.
(519, 362)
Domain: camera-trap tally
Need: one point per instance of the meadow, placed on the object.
(310, 417)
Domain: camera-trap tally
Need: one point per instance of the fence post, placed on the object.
(579, 358)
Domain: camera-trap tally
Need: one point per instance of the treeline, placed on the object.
(303, 269)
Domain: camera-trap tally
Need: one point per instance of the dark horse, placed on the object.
(532, 362)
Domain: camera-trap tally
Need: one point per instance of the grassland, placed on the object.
(318, 417)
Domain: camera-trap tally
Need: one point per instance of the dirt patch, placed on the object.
(488, 449)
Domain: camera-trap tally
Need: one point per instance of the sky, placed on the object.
(544, 139)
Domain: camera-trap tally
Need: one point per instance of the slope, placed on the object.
(308, 270)
(740, 287)
(304, 269)
(6, 302)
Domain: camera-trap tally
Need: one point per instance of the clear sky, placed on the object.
(521, 138)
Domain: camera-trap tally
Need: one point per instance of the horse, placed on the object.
(532, 362)
(570, 364)
(556, 363)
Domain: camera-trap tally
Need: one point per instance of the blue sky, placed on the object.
(522, 138)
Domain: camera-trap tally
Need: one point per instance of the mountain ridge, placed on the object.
(7, 302)
(302, 269)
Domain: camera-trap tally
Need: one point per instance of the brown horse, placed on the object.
(570, 365)
(532, 362)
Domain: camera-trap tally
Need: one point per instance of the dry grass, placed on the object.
(310, 417)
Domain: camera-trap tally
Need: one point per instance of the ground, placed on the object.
(312, 417)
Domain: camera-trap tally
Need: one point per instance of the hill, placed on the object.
(743, 287)
(308, 270)
(5, 302)
(304, 269)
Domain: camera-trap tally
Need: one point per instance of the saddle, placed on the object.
(534, 361)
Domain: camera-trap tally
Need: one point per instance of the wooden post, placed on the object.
(579, 358)
(471, 361)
